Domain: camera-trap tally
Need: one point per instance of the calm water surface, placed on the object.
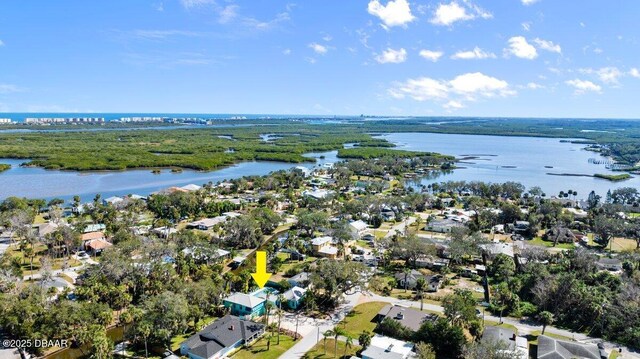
(499, 159)
(40, 183)
(521, 159)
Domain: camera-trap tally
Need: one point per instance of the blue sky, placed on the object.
(525, 58)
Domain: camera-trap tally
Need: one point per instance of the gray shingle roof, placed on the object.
(221, 334)
(549, 348)
(408, 317)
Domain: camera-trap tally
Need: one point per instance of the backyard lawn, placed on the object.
(537, 241)
(361, 318)
(259, 348)
(318, 351)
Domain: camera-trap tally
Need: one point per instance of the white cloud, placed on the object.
(479, 84)
(582, 86)
(548, 45)
(519, 47)
(318, 49)
(189, 4)
(286, 52)
(264, 25)
(476, 53)
(1, 43)
(634, 72)
(529, 2)
(454, 93)
(421, 89)
(163, 34)
(391, 56)
(608, 75)
(534, 86)
(227, 14)
(526, 26)
(431, 55)
(453, 105)
(327, 38)
(448, 14)
(395, 13)
(7, 89)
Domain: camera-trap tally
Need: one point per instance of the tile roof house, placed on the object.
(221, 337)
(549, 348)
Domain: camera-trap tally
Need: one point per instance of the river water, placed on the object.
(496, 159)
(528, 160)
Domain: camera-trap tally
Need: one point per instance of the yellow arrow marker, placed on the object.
(261, 276)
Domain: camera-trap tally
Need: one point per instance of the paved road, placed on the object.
(524, 327)
(311, 330)
(400, 227)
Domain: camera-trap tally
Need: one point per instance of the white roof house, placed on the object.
(382, 347)
(317, 194)
(191, 187)
(207, 223)
(295, 293)
(321, 241)
(305, 171)
(358, 226)
(247, 300)
(328, 251)
(496, 248)
(113, 200)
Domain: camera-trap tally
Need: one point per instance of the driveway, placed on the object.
(311, 329)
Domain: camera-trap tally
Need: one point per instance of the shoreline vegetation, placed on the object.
(614, 178)
(225, 142)
(609, 177)
(4, 167)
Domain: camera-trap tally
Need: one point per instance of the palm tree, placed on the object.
(347, 344)
(365, 339)
(421, 285)
(337, 332)
(145, 331)
(546, 318)
(406, 271)
(281, 299)
(325, 335)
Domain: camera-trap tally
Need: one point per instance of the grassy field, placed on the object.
(537, 241)
(39, 251)
(259, 348)
(318, 351)
(623, 244)
(361, 318)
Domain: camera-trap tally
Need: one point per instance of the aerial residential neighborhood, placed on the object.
(171, 271)
(279, 179)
